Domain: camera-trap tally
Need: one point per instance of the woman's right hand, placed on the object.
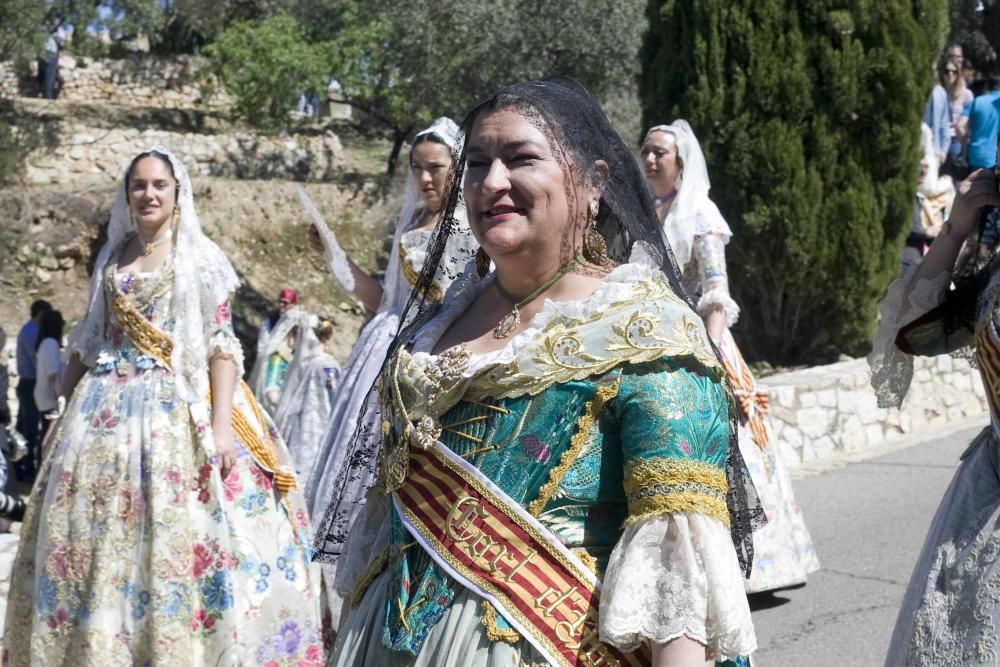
(314, 240)
(975, 193)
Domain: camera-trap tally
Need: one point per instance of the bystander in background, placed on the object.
(48, 62)
(28, 419)
(49, 371)
(979, 124)
(933, 200)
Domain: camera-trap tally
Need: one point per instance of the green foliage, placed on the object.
(264, 65)
(405, 63)
(808, 114)
(21, 38)
(21, 32)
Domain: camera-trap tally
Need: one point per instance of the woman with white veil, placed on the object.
(270, 369)
(165, 526)
(310, 386)
(674, 166)
(342, 474)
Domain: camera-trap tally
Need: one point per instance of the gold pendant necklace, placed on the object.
(509, 322)
(149, 246)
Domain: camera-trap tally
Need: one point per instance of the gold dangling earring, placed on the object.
(483, 262)
(595, 249)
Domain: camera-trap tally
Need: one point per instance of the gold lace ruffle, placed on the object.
(664, 486)
(493, 632)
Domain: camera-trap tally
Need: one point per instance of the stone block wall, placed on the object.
(86, 152)
(823, 411)
(141, 81)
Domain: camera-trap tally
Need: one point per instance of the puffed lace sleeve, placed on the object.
(710, 252)
(674, 572)
(221, 337)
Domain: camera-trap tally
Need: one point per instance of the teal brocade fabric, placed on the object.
(277, 367)
(655, 414)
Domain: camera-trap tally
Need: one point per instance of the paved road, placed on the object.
(868, 521)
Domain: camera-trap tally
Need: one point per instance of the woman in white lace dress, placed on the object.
(675, 168)
(950, 615)
(340, 476)
(165, 527)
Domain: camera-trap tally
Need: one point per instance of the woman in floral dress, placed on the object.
(675, 169)
(165, 528)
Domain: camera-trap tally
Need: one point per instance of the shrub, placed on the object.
(809, 115)
(264, 66)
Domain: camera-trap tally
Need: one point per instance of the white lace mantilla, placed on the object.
(892, 369)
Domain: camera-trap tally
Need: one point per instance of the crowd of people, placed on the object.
(959, 135)
(545, 446)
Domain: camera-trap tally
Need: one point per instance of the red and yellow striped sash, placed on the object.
(752, 400)
(494, 547)
(988, 356)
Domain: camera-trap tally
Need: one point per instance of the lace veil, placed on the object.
(575, 123)
(691, 213)
(307, 345)
(444, 130)
(294, 317)
(203, 281)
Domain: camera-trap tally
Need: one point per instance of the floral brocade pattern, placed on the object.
(135, 551)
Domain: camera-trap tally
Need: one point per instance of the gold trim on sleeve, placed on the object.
(664, 486)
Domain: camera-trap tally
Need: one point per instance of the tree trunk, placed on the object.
(398, 137)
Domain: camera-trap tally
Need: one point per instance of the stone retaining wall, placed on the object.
(141, 81)
(823, 411)
(85, 152)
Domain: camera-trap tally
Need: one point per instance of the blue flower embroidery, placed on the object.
(46, 594)
(217, 591)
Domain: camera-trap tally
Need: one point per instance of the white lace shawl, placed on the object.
(691, 213)
(203, 281)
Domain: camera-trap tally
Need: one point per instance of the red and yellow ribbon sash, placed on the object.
(494, 547)
(753, 401)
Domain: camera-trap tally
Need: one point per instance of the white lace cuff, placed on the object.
(719, 296)
(676, 575)
(892, 369)
(224, 343)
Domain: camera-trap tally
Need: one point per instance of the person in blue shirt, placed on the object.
(28, 420)
(980, 122)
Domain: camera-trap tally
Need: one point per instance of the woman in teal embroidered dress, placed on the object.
(576, 379)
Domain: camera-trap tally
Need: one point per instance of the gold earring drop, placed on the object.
(594, 246)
